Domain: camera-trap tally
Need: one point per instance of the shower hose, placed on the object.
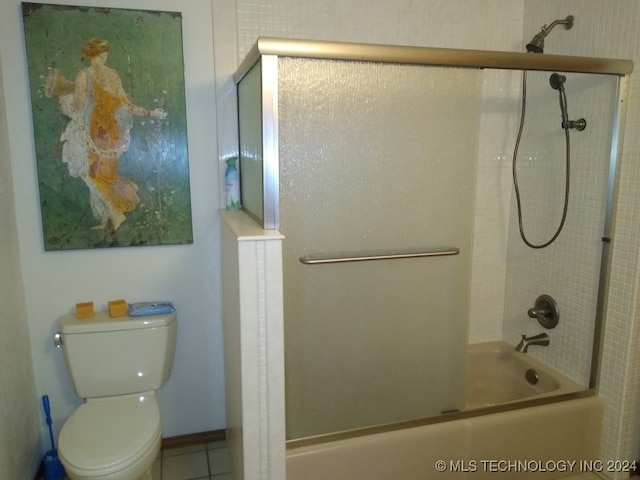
(565, 125)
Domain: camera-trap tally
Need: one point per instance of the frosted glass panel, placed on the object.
(250, 135)
(375, 157)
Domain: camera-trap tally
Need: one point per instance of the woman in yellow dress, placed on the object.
(99, 133)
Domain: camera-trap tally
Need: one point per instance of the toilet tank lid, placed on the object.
(102, 322)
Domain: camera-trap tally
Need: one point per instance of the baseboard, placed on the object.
(194, 439)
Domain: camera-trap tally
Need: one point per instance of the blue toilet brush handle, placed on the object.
(47, 413)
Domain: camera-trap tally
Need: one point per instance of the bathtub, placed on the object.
(498, 375)
(496, 437)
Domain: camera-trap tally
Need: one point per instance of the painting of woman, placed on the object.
(133, 174)
(98, 133)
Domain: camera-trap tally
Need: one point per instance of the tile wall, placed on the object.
(613, 32)
(568, 269)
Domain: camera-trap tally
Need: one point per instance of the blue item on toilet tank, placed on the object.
(150, 308)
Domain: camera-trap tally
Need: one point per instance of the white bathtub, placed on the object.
(537, 442)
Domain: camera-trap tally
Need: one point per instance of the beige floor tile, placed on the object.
(186, 466)
(156, 470)
(219, 461)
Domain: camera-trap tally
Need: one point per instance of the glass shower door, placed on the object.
(375, 159)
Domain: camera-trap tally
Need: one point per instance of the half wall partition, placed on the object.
(365, 159)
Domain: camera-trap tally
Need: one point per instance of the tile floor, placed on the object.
(209, 461)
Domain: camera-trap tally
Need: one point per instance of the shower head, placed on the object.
(556, 80)
(536, 45)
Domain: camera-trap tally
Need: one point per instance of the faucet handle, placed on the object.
(545, 311)
(538, 312)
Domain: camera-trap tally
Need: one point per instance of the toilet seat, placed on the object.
(107, 435)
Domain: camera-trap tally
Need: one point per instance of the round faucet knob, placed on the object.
(545, 311)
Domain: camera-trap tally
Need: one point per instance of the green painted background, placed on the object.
(146, 51)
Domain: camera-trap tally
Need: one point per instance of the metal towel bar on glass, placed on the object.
(320, 259)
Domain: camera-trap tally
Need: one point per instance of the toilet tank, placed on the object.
(108, 356)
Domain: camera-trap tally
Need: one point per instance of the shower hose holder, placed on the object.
(579, 124)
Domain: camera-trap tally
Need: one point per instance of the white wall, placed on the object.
(20, 449)
(193, 399)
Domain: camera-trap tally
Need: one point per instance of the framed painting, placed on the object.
(109, 126)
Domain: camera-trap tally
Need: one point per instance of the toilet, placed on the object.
(116, 365)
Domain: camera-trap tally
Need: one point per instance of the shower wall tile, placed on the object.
(568, 270)
(493, 203)
(613, 32)
(435, 23)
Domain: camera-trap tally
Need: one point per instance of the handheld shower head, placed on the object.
(556, 81)
(536, 45)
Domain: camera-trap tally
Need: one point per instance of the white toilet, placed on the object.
(116, 365)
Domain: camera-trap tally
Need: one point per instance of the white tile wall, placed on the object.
(254, 350)
(493, 204)
(484, 24)
(569, 269)
(612, 32)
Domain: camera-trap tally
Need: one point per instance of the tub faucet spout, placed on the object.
(542, 340)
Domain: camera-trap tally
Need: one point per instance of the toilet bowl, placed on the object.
(111, 438)
(116, 365)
